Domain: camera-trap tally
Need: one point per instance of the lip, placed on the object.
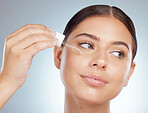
(94, 80)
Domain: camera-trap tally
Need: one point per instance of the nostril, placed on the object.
(97, 65)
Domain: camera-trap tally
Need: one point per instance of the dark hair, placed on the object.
(102, 10)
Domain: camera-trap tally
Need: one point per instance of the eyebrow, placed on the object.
(120, 43)
(98, 39)
(89, 36)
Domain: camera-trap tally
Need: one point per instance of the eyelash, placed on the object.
(122, 53)
(88, 43)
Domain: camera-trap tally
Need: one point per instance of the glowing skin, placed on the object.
(101, 59)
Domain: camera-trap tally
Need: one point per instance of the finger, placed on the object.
(24, 27)
(26, 33)
(32, 39)
(35, 48)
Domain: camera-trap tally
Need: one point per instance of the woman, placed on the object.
(106, 39)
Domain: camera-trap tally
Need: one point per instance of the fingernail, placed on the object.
(54, 40)
(53, 34)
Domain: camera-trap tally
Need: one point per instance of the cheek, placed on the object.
(72, 64)
(72, 61)
(121, 71)
(118, 73)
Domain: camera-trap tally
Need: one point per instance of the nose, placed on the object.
(99, 61)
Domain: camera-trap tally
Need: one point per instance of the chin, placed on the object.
(92, 100)
(90, 95)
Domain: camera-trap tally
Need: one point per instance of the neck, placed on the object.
(75, 105)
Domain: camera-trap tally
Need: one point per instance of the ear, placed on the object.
(57, 56)
(130, 73)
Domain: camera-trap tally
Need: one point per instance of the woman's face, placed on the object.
(102, 68)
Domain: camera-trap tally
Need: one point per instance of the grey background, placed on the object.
(43, 91)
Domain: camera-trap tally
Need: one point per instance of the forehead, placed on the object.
(105, 27)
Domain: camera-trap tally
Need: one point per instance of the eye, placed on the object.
(86, 45)
(118, 54)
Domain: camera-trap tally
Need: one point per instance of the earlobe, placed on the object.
(130, 73)
(57, 56)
